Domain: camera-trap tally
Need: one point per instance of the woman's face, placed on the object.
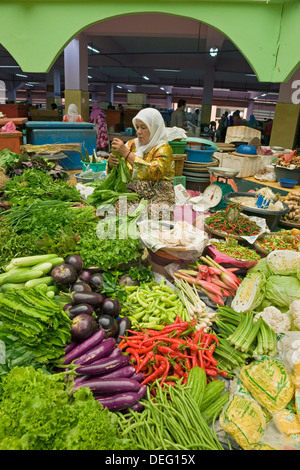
(142, 132)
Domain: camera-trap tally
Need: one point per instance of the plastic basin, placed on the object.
(284, 183)
(178, 147)
(203, 156)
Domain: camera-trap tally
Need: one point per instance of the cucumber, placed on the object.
(10, 286)
(32, 260)
(53, 288)
(22, 277)
(50, 294)
(197, 381)
(213, 411)
(45, 267)
(48, 280)
(212, 392)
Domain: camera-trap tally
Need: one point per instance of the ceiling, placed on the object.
(134, 46)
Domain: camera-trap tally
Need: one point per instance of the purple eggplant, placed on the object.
(81, 286)
(80, 308)
(84, 276)
(137, 407)
(70, 346)
(83, 327)
(124, 324)
(85, 346)
(116, 352)
(139, 376)
(106, 365)
(126, 280)
(110, 307)
(109, 325)
(75, 261)
(126, 371)
(64, 274)
(119, 401)
(100, 351)
(96, 282)
(92, 298)
(104, 385)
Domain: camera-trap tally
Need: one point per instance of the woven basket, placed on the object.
(179, 160)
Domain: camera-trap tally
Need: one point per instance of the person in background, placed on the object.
(253, 122)
(222, 128)
(98, 117)
(267, 131)
(237, 120)
(110, 106)
(53, 106)
(195, 118)
(178, 117)
(73, 114)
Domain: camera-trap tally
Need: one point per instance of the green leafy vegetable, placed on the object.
(38, 412)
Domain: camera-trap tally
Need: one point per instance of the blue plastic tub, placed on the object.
(199, 156)
(284, 183)
(58, 132)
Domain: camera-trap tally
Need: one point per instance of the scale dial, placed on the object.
(213, 194)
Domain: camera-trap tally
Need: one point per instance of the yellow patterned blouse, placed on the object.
(158, 164)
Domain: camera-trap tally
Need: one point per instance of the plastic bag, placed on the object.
(181, 239)
(9, 127)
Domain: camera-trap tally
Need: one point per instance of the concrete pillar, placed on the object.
(208, 89)
(53, 88)
(287, 114)
(109, 93)
(76, 75)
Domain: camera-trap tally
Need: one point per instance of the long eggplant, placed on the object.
(126, 371)
(102, 385)
(121, 401)
(139, 376)
(70, 347)
(85, 346)
(116, 352)
(99, 352)
(93, 298)
(106, 365)
(124, 324)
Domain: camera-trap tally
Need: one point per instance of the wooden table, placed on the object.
(18, 121)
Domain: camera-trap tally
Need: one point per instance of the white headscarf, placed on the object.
(73, 112)
(156, 125)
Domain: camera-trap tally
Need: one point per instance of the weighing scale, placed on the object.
(214, 192)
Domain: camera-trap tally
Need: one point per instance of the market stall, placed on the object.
(205, 357)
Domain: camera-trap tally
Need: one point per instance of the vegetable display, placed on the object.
(101, 351)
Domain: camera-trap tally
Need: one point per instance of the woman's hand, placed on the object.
(112, 160)
(118, 146)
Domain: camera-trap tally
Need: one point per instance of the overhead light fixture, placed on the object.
(250, 75)
(264, 94)
(162, 88)
(213, 51)
(89, 76)
(145, 77)
(130, 91)
(29, 84)
(9, 66)
(20, 75)
(93, 49)
(118, 86)
(167, 70)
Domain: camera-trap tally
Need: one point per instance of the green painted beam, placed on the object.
(265, 32)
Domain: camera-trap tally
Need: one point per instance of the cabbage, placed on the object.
(250, 292)
(283, 262)
(261, 266)
(282, 290)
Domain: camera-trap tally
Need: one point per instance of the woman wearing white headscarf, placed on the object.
(149, 156)
(72, 114)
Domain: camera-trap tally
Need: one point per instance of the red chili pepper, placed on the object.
(135, 355)
(145, 360)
